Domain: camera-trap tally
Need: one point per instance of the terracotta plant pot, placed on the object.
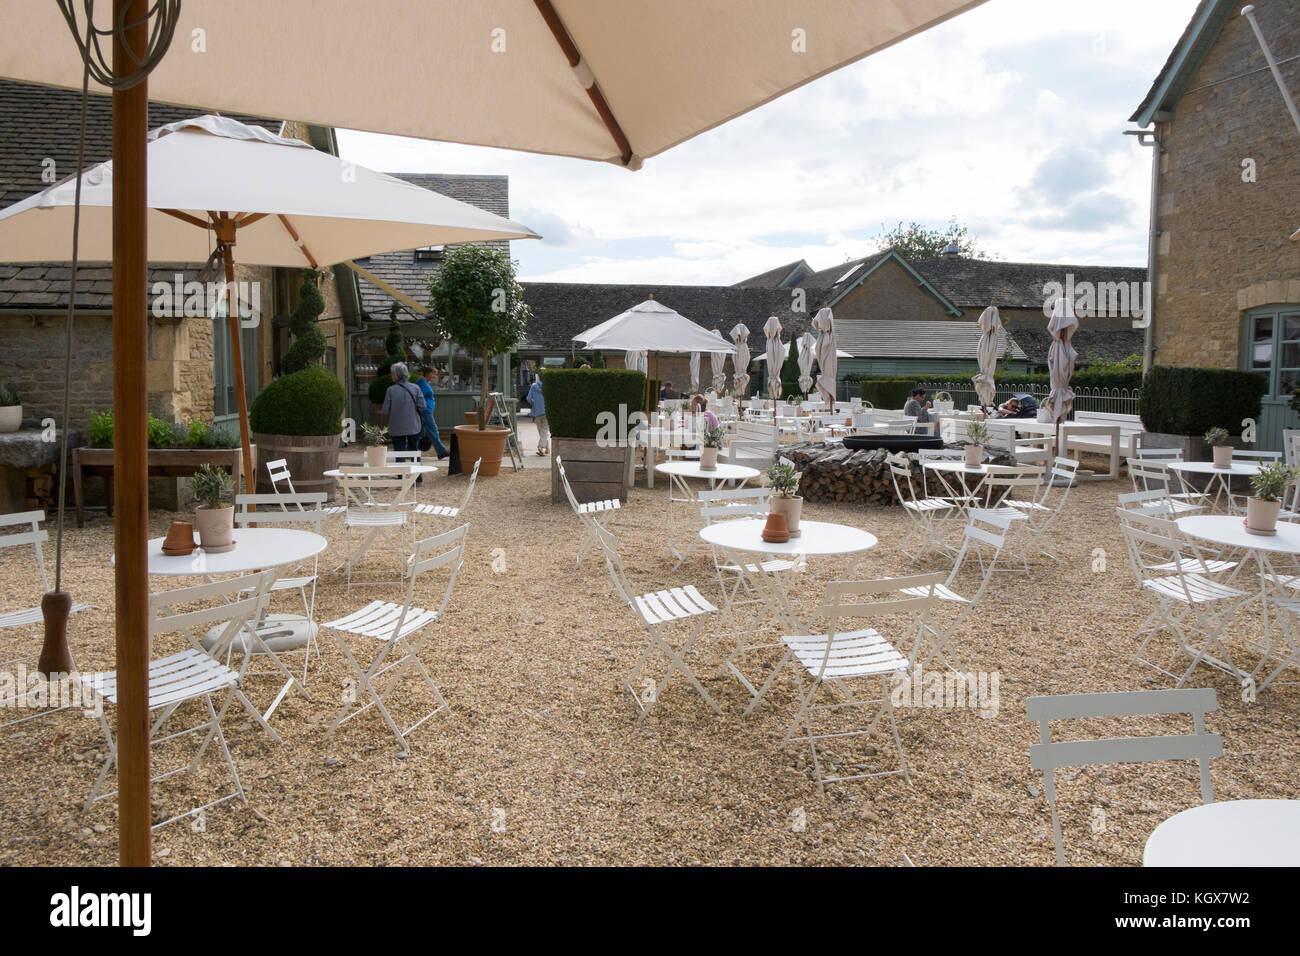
(474, 443)
(216, 527)
(376, 455)
(775, 530)
(471, 418)
(1222, 456)
(974, 454)
(790, 508)
(1261, 515)
(708, 459)
(11, 418)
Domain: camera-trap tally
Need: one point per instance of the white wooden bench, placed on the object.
(1102, 433)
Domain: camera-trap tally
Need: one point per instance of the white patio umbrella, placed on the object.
(807, 343)
(740, 361)
(986, 354)
(695, 372)
(635, 360)
(718, 371)
(775, 355)
(828, 356)
(1060, 360)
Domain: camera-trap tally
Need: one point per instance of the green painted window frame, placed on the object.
(1283, 377)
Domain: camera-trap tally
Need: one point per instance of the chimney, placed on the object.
(950, 251)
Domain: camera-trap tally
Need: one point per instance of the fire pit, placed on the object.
(892, 442)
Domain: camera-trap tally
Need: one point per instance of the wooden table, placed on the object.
(163, 463)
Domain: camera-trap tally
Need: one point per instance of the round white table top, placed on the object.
(1231, 833)
(361, 470)
(815, 537)
(1230, 530)
(1242, 468)
(255, 548)
(692, 469)
(955, 464)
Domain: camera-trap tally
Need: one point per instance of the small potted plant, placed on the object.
(11, 409)
(215, 515)
(376, 441)
(978, 434)
(1269, 484)
(713, 437)
(1217, 439)
(785, 500)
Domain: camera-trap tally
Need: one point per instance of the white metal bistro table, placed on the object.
(679, 490)
(1230, 531)
(1230, 833)
(741, 538)
(255, 549)
(1220, 477)
(417, 470)
(965, 499)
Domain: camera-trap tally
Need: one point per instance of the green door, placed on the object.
(1273, 347)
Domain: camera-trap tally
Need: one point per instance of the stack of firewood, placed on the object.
(835, 474)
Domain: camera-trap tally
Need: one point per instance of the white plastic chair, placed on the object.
(190, 675)
(589, 513)
(278, 470)
(658, 612)
(1048, 755)
(840, 655)
(452, 511)
(389, 628)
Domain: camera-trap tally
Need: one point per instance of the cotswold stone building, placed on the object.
(1226, 270)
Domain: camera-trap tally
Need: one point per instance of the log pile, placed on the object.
(835, 474)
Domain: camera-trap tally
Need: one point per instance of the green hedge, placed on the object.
(575, 398)
(887, 392)
(309, 402)
(1188, 401)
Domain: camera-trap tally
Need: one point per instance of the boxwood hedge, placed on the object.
(309, 402)
(1178, 400)
(576, 397)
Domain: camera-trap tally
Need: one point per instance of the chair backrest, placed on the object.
(1144, 502)
(1160, 454)
(438, 551)
(403, 457)
(31, 533)
(1061, 478)
(278, 470)
(734, 503)
(1047, 755)
(354, 457)
(1001, 480)
(982, 540)
(568, 488)
(614, 564)
(1253, 457)
(237, 603)
(469, 488)
(839, 605)
(900, 471)
(901, 426)
(307, 509)
(1148, 474)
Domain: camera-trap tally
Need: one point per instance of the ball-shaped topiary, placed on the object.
(309, 342)
(309, 402)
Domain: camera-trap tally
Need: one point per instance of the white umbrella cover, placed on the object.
(987, 355)
(827, 355)
(636, 360)
(695, 372)
(653, 327)
(807, 343)
(718, 371)
(740, 361)
(775, 353)
(1060, 359)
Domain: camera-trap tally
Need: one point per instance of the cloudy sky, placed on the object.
(1009, 117)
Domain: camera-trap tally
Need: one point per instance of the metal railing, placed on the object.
(1122, 401)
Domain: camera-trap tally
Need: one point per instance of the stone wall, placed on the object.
(1225, 246)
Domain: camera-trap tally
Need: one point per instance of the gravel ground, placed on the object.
(542, 760)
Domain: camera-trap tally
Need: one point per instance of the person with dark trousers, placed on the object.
(429, 375)
(403, 403)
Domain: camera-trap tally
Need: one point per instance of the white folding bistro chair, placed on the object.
(1042, 512)
(1001, 482)
(1154, 474)
(1189, 603)
(189, 675)
(840, 655)
(658, 611)
(390, 628)
(589, 513)
(278, 470)
(1048, 754)
(371, 516)
(452, 511)
(1154, 504)
(927, 515)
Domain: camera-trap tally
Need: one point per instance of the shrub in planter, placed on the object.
(298, 417)
(11, 409)
(577, 398)
(1179, 400)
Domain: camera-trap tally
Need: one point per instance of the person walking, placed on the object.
(403, 403)
(537, 409)
(428, 378)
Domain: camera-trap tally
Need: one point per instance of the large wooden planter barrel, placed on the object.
(596, 470)
(308, 458)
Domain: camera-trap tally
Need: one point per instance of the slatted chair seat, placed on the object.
(1195, 565)
(32, 615)
(775, 566)
(599, 507)
(1191, 589)
(377, 618)
(674, 604)
(941, 591)
(366, 518)
(171, 679)
(863, 653)
(929, 505)
(437, 511)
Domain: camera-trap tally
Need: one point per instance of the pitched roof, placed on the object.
(38, 125)
(563, 309)
(1188, 54)
(1108, 344)
(977, 283)
(830, 283)
(777, 278)
(913, 338)
(407, 272)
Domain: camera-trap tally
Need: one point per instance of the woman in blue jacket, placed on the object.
(429, 375)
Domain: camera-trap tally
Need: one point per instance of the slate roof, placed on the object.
(1110, 344)
(1185, 58)
(776, 278)
(829, 283)
(977, 283)
(37, 123)
(911, 338)
(404, 270)
(563, 309)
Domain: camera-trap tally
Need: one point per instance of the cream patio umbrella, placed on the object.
(695, 372)
(807, 344)
(827, 355)
(740, 361)
(986, 354)
(635, 359)
(718, 372)
(774, 354)
(566, 77)
(1060, 360)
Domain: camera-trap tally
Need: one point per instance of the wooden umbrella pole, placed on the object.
(236, 353)
(130, 446)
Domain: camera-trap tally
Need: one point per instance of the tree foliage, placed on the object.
(916, 242)
(309, 342)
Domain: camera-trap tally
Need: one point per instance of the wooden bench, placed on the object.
(1103, 433)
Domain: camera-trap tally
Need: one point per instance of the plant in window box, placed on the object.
(11, 409)
(1217, 439)
(713, 436)
(978, 434)
(1269, 485)
(784, 482)
(376, 441)
(215, 515)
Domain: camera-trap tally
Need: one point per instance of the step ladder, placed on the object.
(503, 414)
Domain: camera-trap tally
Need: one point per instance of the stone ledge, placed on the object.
(25, 449)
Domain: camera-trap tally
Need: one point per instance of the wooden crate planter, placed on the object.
(596, 471)
(163, 463)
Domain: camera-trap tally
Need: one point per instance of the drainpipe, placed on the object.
(1150, 138)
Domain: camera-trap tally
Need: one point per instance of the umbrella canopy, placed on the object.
(827, 355)
(740, 361)
(718, 371)
(653, 327)
(695, 372)
(1060, 360)
(617, 82)
(775, 355)
(807, 343)
(986, 353)
(636, 360)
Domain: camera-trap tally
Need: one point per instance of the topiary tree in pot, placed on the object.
(478, 303)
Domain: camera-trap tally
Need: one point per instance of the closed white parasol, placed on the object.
(1060, 360)
(740, 361)
(807, 344)
(987, 355)
(827, 355)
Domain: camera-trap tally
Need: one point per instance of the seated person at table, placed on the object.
(700, 406)
(668, 392)
(917, 407)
